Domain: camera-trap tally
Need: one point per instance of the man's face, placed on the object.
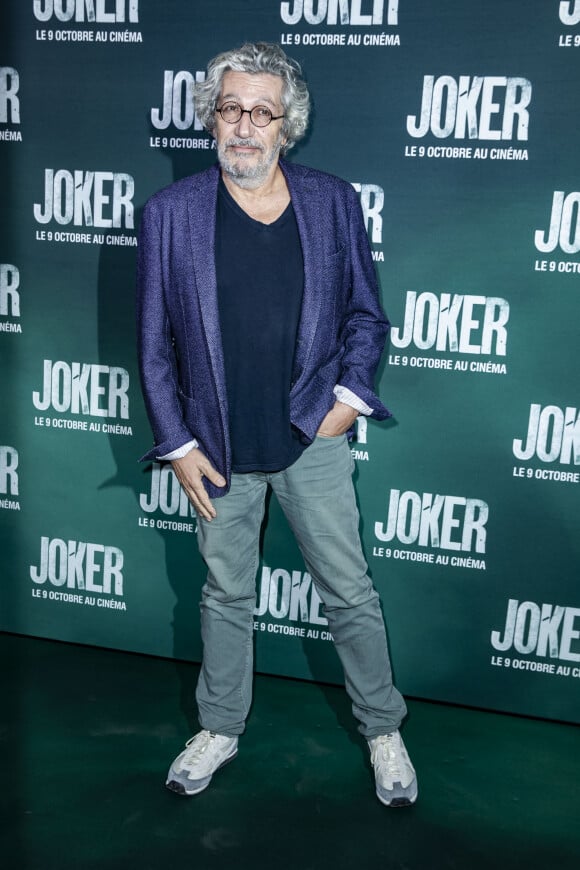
(248, 154)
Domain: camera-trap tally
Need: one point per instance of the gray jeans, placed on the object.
(317, 496)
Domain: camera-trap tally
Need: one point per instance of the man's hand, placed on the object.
(189, 471)
(338, 420)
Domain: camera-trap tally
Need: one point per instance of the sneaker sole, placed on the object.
(178, 787)
(398, 801)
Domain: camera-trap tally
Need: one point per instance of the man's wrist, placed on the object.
(347, 397)
(180, 452)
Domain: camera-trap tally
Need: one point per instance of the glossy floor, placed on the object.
(86, 736)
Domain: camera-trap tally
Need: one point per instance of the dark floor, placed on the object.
(86, 736)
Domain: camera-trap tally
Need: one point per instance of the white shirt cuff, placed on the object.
(182, 451)
(347, 397)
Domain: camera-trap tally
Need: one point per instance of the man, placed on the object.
(260, 332)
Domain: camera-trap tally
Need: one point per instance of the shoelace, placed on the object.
(385, 745)
(197, 746)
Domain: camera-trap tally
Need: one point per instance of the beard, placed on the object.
(242, 172)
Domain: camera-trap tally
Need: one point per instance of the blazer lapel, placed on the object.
(307, 204)
(202, 225)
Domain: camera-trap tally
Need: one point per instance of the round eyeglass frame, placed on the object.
(249, 112)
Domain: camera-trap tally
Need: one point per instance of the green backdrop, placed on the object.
(458, 125)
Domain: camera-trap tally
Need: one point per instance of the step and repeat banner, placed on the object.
(457, 124)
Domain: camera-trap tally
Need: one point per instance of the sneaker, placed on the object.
(395, 776)
(205, 753)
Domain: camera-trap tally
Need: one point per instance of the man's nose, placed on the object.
(245, 127)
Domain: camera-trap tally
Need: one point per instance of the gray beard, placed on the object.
(248, 177)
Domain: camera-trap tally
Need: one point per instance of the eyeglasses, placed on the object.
(260, 116)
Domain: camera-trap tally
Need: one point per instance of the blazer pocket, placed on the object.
(335, 270)
(189, 406)
(336, 257)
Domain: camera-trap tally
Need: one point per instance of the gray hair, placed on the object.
(257, 57)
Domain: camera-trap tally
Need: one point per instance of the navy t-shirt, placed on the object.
(260, 278)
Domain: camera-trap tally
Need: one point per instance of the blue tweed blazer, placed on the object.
(342, 327)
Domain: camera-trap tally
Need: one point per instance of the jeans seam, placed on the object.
(244, 704)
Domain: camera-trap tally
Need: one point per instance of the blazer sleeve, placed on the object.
(157, 359)
(364, 326)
